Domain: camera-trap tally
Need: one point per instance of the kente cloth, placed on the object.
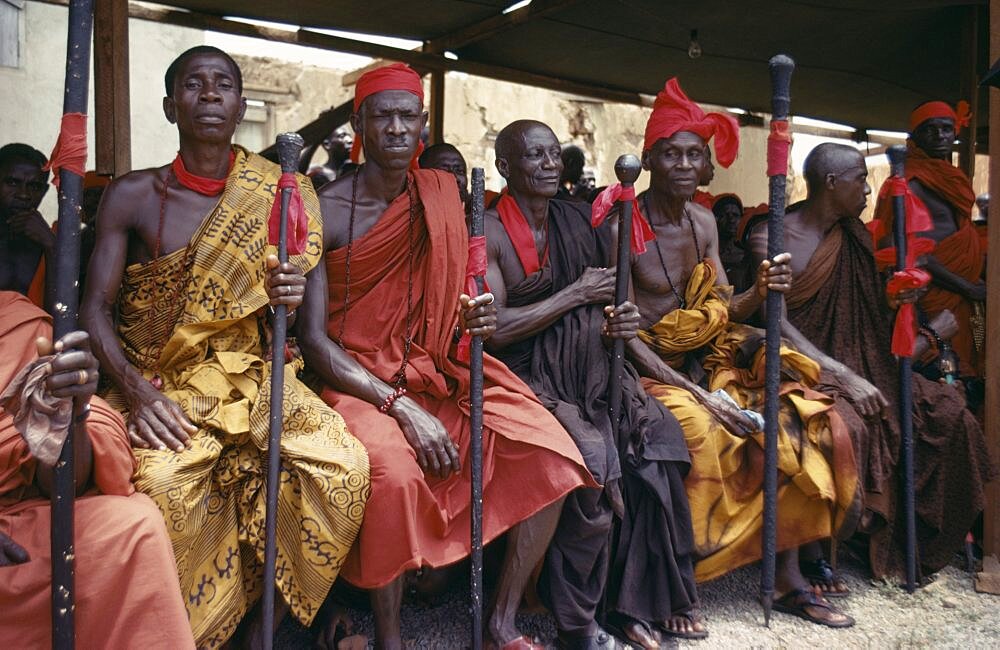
(817, 477)
(568, 367)
(674, 112)
(213, 365)
(529, 462)
(704, 199)
(960, 252)
(838, 303)
(126, 583)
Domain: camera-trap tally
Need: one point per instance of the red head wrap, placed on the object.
(397, 76)
(931, 110)
(674, 112)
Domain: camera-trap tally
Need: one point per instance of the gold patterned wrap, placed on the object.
(213, 365)
(818, 493)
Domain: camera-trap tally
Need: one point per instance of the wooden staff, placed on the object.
(897, 161)
(476, 423)
(781, 68)
(627, 169)
(289, 146)
(64, 316)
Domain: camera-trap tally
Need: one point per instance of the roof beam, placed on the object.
(495, 25)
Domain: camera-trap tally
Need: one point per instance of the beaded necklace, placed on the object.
(659, 252)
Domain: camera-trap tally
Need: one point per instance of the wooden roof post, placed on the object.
(112, 124)
(437, 106)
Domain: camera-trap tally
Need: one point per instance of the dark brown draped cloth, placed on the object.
(567, 365)
(838, 303)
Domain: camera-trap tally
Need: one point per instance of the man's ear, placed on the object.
(830, 180)
(645, 160)
(243, 109)
(423, 121)
(356, 124)
(503, 167)
(170, 109)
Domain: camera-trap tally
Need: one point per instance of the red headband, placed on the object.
(674, 112)
(932, 110)
(397, 76)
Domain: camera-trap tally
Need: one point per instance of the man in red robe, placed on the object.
(956, 263)
(383, 335)
(127, 595)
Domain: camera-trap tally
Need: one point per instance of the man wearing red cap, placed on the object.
(708, 369)
(381, 325)
(956, 263)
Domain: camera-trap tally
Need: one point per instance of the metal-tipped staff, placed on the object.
(289, 146)
(627, 169)
(476, 424)
(897, 161)
(65, 307)
(781, 68)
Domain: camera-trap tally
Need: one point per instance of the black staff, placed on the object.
(64, 314)
(781, 74)
(627, 169)
(289, 145)
(476, 423)
(897, 160)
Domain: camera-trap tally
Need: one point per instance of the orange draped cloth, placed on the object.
(961, 252)
(127, 594)
(529, 461)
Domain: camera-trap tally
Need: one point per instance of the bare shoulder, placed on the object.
(704, 221)
(129, 196)
(335, 206)
(496, 235)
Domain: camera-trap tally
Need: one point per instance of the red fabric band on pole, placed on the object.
(298, 225)
(476, 265)
(605, 201)
(779, 143)
(70, 152)
(904, 333)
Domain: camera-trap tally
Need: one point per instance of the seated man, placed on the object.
(382, 336)
(185, 349)
(728, 211)
(838, 315)
(25, 237)
(956, 263)
(698, 361)
(447, 158)
(126, 592)
(547, 271)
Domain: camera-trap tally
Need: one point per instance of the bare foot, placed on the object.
(685, 626)
(642, 634)
(334, 629)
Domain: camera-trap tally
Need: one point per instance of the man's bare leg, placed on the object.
(526, 545)
(386, 602)
(256, 632)
(789, 578)
(822, 577)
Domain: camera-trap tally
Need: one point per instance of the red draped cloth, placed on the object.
(704, 199)
(529, 461)
(960, 252)
(127, 593)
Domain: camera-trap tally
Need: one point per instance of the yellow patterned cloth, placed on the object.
(817, 477)
(212, 364)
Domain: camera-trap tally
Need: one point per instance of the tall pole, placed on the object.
(289, 147)
(64, 316)
(627, 169)
(476, 423)
(897, 161)
(777, 153)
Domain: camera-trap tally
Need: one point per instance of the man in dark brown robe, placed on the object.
(547, 271)
(838, 314)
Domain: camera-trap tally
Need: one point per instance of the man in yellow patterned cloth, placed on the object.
(178, 307)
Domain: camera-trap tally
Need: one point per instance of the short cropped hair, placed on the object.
(171, 76)
(18, 151)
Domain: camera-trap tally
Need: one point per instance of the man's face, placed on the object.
(207, 104)
(338, 145)
(708, 171)
(452, 162)
(936, 137)
(729, 219)
(587, 180)
(536, 165)
(850, 188)
(22, 187)
(389, 125)
(675, 164)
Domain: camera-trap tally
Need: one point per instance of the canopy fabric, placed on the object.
(861, 63)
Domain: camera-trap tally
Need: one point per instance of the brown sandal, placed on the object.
(797, 601)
